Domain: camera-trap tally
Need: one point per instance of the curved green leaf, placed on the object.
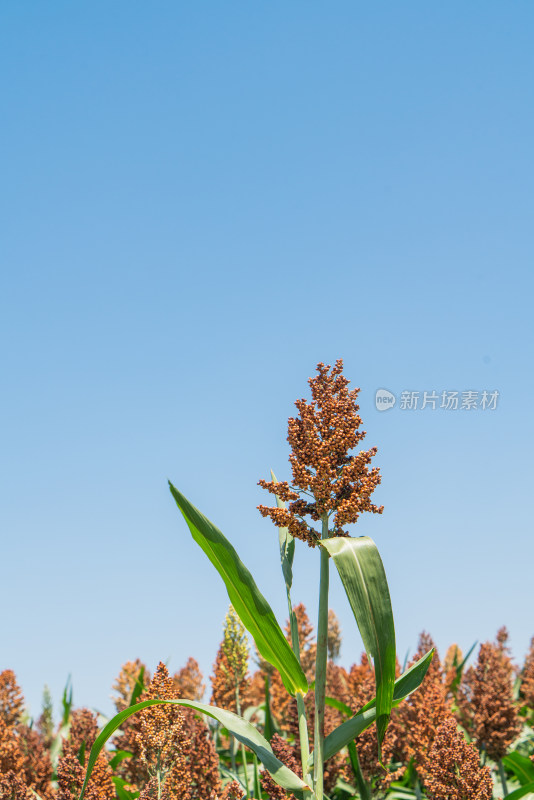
(287, 550)
(528, 789)
(242, 730)
(521, 766)
(364, 580)
(287, 554)
(252, 607)
(347, 731)
(138, 686)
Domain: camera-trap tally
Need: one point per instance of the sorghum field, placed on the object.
(463, 732)
(285, 719)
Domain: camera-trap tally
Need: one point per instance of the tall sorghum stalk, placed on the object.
(301, 708)
(328, 483)
(320, 664)
(330, 487)
(235, 648)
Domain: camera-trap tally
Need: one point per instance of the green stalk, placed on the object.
(301, 708)
(257, 783)
(503, 778)
(232, 753)
(245, 769)
(320, 668)
(304, 743)
(243, 753)
(363, 787)
(158, 774)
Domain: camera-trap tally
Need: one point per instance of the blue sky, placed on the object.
(199, 202)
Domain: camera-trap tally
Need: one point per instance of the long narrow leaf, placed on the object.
(287, 551)
(364, 580)
(333, 702)
(287, 554)
(521, 766)
(268, 727)
(243, 731)
(363, 787)
(459, 670)
(252, 607)
(528, 789)
(347, 731)
(138, 686)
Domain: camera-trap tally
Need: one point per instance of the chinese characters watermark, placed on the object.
(469, 400)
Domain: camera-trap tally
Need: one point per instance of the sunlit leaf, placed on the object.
(243, 731)
(524, 791)
(347, 731)
(287, 553)
(138, 686)
(251, 606)
(521, 766)
(364, 580)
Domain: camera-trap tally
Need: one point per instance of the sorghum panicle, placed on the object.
(326, 479)
(235, 645)
(527, 678)
(22, 749)
(423, 712)
(485, 699)
(11, 699)
(287, 755)
(159, 728)
(230, 670)
(189, 681)
(126, 681)
(362, 688)
(12, 787)
(71, 773)
(334, 635)
(454, 770)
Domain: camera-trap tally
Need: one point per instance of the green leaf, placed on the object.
(361, 783)
(121, 792)
(269, 726)
(521, 766)
(66, 702)
(347, 731)
(243, 731)
(287, 553)
(252, 607)
(333, 702)
(117, 757)
(364, 580)
(522, 792)
(459, 669)
(287, 549)
(138, 686)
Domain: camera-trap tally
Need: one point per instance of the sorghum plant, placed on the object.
(485, 700)
(526, 687)
(331, 488)
(454, 771)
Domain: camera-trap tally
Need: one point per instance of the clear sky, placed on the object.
(199, 202)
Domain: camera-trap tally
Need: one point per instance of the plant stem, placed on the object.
(243, 754)
(304, 743)
(503, 777)
(361, 784)
(158, 773)
(257, 783)
(301, 708)
(232, 753)
(320, 667)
